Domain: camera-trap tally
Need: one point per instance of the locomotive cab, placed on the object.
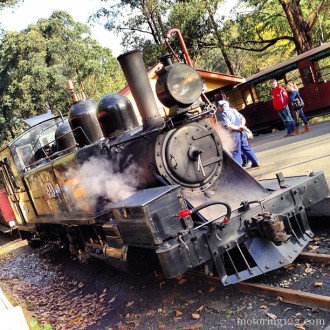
(35, 144)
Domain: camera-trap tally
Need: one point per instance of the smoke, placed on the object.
(96, 180)
(227, 140)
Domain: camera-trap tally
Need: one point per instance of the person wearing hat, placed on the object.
(280, 100)
(235, 122)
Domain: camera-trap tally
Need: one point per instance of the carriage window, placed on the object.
(254, 94)
(307, 73)
(248, 97)
(264, 91)
(236, 100)
(322, 69)
(2, 180)
(294, 77)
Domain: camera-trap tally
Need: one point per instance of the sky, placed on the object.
(30, 11)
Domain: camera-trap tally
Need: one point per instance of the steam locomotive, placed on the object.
(165, 194)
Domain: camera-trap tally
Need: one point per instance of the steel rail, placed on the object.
(295, 297)
(290, 296)
(314, 257)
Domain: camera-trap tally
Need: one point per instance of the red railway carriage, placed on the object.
(7, 216)
(310, 71)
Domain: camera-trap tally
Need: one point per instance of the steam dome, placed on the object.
(84, 123)
(115, 115)
(64, 136)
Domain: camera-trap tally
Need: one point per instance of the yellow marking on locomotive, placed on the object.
(77, 190)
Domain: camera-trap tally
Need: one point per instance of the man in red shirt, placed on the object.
(280, 103)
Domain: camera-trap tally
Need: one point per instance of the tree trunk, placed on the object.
(149, 13)
(10, 129)
(300, 28)
(220, 41)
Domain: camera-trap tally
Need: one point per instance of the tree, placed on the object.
(8, 3)
(219, 43)
(212, 8)
(35, 64)
(144, 24)
(290, 25)
(141, 23)
(302, 28)
(190, 17)
(291, 21)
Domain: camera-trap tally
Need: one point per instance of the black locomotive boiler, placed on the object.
(165, 193)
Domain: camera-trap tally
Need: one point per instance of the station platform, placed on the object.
(11, 318)
(296, 155)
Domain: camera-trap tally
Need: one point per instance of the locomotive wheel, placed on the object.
(35, 244)
(141, 261)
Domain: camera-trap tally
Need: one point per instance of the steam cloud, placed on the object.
(97, 178)
(226, 139)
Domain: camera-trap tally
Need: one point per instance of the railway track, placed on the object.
(290, 296)
(295, 297)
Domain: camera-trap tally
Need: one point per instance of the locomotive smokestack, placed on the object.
(135, 73)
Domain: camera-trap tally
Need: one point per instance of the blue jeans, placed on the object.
(242, 148)
(300, 113)
(247, 151)
(285, 115)
(236, 153)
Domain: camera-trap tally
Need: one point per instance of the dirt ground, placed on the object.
(55, 290)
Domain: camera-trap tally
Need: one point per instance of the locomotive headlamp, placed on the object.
(179, 85)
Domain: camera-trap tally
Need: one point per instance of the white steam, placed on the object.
(97, 179)
(227, 140)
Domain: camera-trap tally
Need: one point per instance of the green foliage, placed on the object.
(142, 24)
(35, 64)
(9, 3)
(35, 325)
(191, 18)
(261, 34)
(266, 22)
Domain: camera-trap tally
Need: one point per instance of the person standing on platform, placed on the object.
(297, 105)
(280, 100)
(235, 122)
